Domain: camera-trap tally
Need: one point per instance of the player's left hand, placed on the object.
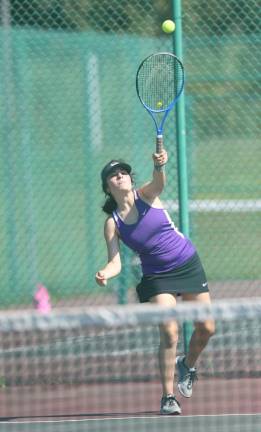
(101, 278)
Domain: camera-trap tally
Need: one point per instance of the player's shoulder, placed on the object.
(109, 224)
(110, 228)
(141, 192)
(109, 221)
(153, 201)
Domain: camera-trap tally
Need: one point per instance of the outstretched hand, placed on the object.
(101, 278)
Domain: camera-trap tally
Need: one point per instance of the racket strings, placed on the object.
(160, 81)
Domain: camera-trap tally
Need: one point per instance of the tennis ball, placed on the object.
(168, 26)
(159, 104)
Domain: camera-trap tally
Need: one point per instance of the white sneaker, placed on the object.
(186, 377)
(170, 405)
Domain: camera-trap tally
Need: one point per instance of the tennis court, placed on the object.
(68, 104)
(97, 369)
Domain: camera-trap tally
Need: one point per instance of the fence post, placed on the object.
(181, 149)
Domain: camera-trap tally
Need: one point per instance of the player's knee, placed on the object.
(169, 335)
(205, 329)
(210, 328)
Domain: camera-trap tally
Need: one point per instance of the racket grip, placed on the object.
(159, 143)
(159, 148)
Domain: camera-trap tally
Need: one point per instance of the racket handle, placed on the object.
(159, 148)
(159, 143)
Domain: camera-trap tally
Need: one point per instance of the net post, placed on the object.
(181, 150)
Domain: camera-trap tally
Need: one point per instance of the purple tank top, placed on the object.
(154, 237)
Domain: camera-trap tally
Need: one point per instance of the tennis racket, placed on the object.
(159, 84)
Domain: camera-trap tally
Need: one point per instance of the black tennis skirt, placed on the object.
(188, 278)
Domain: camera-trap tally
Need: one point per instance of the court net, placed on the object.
(101, 365)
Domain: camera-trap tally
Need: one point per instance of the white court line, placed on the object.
(131, 418)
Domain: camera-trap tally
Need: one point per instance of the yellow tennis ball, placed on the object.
(159, 104)
(168, 26)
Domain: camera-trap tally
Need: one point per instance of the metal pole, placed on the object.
(8, 96)
(181, 148)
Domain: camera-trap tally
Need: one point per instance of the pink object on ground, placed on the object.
(42, 299)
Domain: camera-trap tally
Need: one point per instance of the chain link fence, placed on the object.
(68, 105)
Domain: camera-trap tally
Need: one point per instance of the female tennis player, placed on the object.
(170, 266)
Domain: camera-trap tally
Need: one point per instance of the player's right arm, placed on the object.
(151, 190)
(113, 267)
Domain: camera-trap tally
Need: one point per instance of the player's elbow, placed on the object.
(118, 268)
(116, 263)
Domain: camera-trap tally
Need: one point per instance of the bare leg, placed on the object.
(168, 345)
(202, 333)
(167, 356)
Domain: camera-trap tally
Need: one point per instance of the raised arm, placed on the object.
(113, 267)
(154, 188)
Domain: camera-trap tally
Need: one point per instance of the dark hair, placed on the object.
(110, 204)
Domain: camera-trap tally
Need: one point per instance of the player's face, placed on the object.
(119, 180)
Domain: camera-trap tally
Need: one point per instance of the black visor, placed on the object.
(112, 166)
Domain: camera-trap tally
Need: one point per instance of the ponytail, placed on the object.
(110, 205)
